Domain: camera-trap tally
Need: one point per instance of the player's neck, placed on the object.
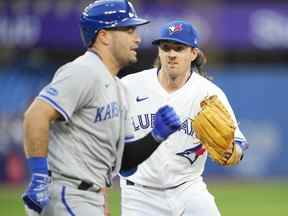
(107, 60)
(172, 83)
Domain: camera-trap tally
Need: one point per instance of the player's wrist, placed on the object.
(156, 136)
(243, 145)
(38, 165)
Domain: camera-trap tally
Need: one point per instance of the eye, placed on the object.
(179, 48)
(131, 30)
(165, 48)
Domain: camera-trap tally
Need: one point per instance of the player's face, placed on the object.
(124, 45)
(176, 58)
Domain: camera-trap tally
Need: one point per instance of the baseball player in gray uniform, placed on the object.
(75, 130)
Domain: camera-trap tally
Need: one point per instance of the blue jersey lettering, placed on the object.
(106, 112)
(145, 121)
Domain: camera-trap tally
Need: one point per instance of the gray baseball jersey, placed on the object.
(88, 144)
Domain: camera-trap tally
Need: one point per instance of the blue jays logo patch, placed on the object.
(192, 154)
(175, 28)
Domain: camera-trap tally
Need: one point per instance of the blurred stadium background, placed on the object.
(247, 47)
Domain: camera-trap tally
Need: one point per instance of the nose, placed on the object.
(171, 53)
(137, 38)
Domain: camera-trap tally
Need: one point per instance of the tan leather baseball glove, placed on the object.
(215, 128)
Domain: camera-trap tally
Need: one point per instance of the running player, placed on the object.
(169, 182)
(82, 114)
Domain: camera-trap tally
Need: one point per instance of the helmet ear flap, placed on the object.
(88, 36)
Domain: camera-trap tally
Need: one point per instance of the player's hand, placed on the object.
(166, 123)
(36, 196)
(235, 154)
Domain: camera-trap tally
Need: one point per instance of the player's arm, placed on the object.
(36, 124)
(138, 151)
(166, 123)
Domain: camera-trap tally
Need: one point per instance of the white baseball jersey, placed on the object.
(181, 157)
(89, 144)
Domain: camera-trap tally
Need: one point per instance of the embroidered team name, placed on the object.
(106, 112)
(145, 121)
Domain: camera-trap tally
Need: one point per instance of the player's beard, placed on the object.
(133, 56)
(126, 57)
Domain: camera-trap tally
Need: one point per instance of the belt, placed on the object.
(82, 185)
(131, 183)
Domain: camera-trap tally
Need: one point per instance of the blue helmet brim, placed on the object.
(133, 22)
(157, 42)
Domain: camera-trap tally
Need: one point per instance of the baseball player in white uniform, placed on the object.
(169, 182)
(75, 130)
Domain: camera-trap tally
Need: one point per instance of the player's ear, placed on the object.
(194, 54)
(104, 37)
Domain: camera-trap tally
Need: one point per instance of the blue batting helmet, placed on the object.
(106, 14)
(178, 31)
